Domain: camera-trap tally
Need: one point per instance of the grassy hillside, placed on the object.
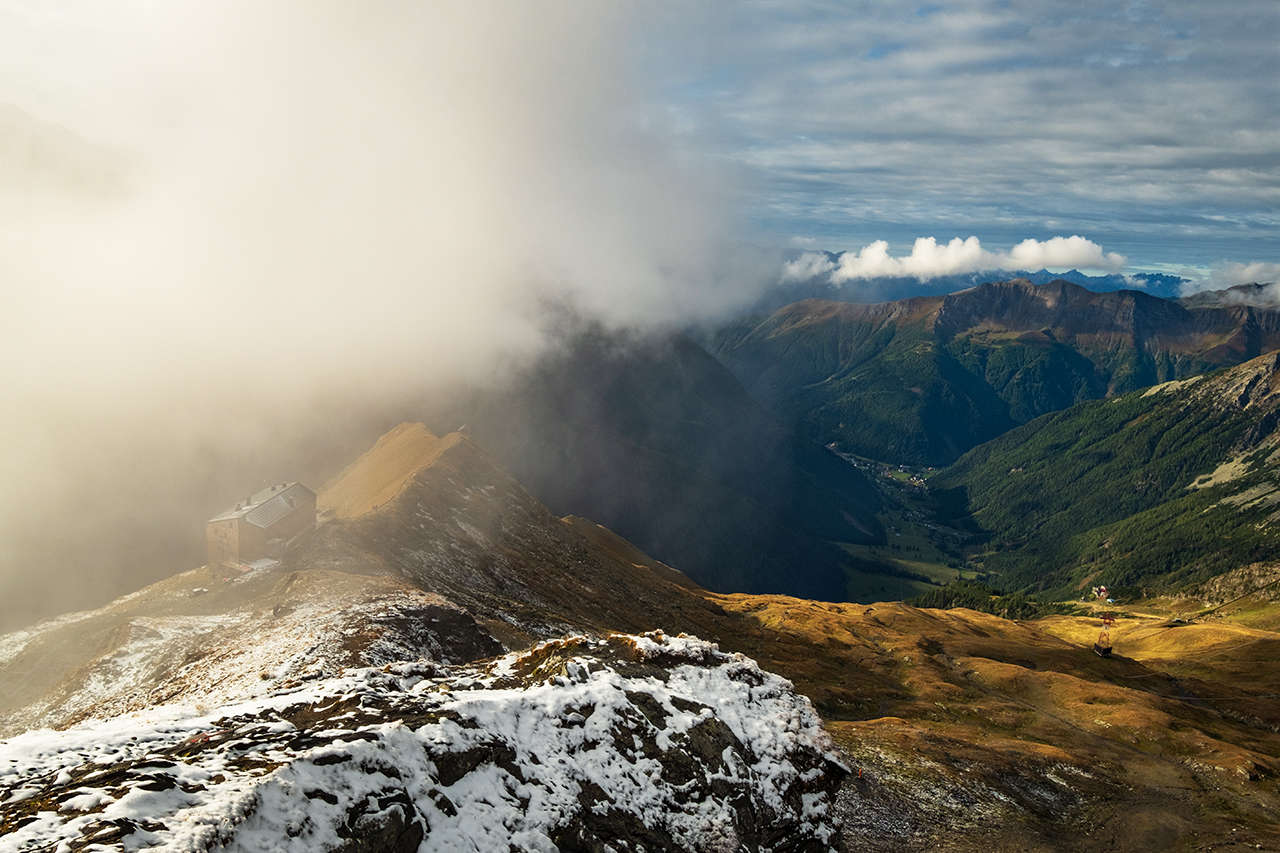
(1144, 492)
(875, 388)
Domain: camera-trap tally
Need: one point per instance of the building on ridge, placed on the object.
(260, 529)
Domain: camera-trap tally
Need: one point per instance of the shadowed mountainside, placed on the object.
(655, 440)
(923, 380)
(459, 525)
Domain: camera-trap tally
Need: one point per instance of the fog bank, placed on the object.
(239, 239)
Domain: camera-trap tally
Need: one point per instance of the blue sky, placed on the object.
(1149, 128)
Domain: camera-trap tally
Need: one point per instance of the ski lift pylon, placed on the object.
(1103, 645)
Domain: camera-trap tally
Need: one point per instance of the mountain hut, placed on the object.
(260, 527)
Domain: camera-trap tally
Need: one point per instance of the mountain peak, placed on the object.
(445, 516)
(382, 472)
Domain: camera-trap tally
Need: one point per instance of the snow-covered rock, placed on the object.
(629, 743)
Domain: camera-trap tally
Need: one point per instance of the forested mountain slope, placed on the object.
(923, 380)
(1146, 491)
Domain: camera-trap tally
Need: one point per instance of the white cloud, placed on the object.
(1229, 274)
(929, 259)
(1060, 252)
(808, 265)
(407, 179)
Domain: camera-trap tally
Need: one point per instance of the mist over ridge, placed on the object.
(309, 214)
(901, 381)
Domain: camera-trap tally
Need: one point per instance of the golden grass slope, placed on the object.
(977, 733)
(382, 472)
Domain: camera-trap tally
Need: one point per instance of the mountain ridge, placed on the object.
(966, 730)
(923, 380)
(653, 438)
(493, 554)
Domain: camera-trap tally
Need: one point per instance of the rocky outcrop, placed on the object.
(630, 743)
(181, 641)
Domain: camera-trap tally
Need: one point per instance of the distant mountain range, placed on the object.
(923, 380)
(888, 288)
(1257, 295)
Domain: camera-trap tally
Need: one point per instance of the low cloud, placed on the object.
(808, 265)
(929, 259)
(227, 228)
(1229, 274)
(1232, 274)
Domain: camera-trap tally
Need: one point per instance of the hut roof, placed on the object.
(269, 505)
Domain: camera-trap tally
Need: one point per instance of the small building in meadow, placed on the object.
(260, 527)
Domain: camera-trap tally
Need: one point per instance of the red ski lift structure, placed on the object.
(1103, 644)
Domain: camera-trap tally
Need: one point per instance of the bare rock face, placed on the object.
(629, 743)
